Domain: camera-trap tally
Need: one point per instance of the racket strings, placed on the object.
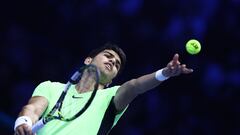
(72, 108)
(69, 106)
(87, 81)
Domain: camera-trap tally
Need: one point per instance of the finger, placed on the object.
(187, 70)
(175, 58)
(20, 131)
(184, 69)
(170, 65)
(29, 131)
(178, 62)
(26, 129)
(174, 70)
(178, 70)
(183, 66)
(177, 65)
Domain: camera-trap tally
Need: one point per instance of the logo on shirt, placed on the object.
(73, 96)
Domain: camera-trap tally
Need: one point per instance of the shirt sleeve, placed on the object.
(119, 114)
(43, 89)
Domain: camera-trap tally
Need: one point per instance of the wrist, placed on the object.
(159, 75)
(23, 120)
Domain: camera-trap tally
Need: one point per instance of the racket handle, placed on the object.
(37, 126)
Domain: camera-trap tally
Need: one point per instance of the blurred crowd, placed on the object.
(48, 40)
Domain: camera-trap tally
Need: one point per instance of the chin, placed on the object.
(106, 76)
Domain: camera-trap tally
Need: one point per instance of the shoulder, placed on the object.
(110, 91)
(49, 84)
(47, 87)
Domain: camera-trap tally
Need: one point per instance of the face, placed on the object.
(108, 63)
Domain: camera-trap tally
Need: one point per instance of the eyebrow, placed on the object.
(118, 62)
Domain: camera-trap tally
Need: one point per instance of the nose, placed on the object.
(113, 61)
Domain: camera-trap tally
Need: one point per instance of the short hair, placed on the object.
(115, 48)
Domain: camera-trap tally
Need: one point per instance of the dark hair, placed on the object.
(115, 48)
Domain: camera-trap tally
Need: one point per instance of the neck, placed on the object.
(80, 89)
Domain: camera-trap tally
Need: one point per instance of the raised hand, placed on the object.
(175, 68)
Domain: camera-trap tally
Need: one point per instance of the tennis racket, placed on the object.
(88, 77)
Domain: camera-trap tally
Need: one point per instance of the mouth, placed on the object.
(108, 66)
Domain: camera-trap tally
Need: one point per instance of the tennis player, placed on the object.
(108, 105)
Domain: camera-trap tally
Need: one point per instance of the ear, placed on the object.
(88, 60)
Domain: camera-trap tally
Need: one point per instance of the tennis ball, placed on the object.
(193, 46)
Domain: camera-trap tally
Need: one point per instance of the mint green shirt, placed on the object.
(86, 124)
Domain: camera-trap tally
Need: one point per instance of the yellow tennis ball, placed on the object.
(193, 46)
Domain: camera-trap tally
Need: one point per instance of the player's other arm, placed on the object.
(33, 110)
(129, 90)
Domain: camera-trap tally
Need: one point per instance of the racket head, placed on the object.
(89, 81)
(88, 77)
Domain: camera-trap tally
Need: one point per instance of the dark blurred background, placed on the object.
(48, 40)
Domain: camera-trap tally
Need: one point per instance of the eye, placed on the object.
(107, 55)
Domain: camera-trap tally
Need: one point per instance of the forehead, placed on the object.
(113, 53)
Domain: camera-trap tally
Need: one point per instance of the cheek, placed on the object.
(115, 72)
(97, 61)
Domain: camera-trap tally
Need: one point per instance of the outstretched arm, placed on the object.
(130, 89)
(33, 110)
